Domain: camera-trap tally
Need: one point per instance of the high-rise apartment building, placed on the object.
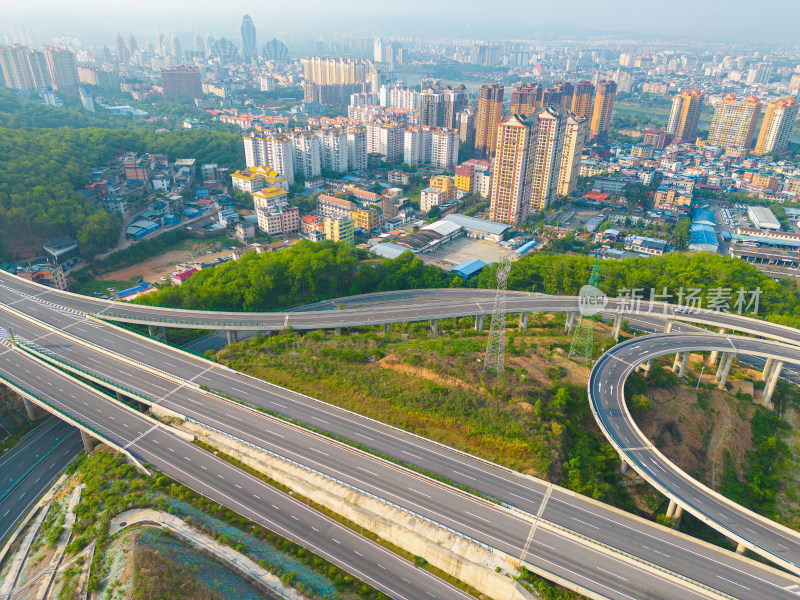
(334, 149)
(274, 149)
(37, 64)
(466, 126)
(526, 98)
(758, 73)
(437, 146)
(385, 139)
(490, 111)
(456, 99)
(439, 107)
(583, 100)
(63, 70)
(14, 64)
(794, 84)
(182, 83)
(307, 154)
(683, 115)
(357, 148)
(779, 119)
(575, 130)
(249, 51)
(603, 108)
(546, 151)
(511, 176)
(734, 121)
(332, 80)
(430, 107)
(122, 50)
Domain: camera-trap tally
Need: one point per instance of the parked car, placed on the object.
(163, 279)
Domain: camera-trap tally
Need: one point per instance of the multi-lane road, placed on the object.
(115, 350)
(219, 481)
(30, 467)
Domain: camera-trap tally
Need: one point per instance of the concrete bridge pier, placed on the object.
(479, 322)
(233, 336)
(523, 320)
(386, 328)
(685, 362)
(623, 467)
(769, 389)
(767, 368)
(676, 516)
(740, 549)
(722, 361)
(157, 332)
(668, 326)
(569, 321)
(87, 441)
(674, 512)
(337, 330)
(616, 327)
(723, 378)
(646, 366)
(435, 326)
(33, 411)
(677, 362)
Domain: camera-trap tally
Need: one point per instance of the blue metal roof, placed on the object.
(468, 268)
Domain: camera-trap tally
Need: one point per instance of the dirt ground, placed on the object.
(162, 266)
(693, 438)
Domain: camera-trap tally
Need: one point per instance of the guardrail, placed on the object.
(55, 408)
(640, 467)
(57, 359)
(586, 539)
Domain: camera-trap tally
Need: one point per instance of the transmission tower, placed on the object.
(590, 300)
(495, 359)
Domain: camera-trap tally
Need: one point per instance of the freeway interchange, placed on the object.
(574, 533)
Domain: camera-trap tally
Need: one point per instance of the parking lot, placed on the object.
(462, 249)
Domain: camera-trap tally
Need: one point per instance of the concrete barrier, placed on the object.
(465, 559)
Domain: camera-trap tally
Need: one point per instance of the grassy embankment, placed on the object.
(113, 486)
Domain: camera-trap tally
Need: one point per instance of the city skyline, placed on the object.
(713, 20)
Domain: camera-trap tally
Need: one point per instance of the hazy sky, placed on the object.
(99, 20)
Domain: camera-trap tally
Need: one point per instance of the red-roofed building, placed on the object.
(602, 197)
(179, 278)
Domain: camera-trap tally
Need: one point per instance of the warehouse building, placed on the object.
(763, 218)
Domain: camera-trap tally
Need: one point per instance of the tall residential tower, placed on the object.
(603, 108)
(683, 116)
(778, 122)
(734, 122)
(490, 110)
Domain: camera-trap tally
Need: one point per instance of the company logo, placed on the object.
(591, 301)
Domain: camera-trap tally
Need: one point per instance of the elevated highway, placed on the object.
(519, 492)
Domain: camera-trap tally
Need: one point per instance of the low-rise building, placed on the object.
(431, 197)
(62, 251)
(339, 229)
(331, 206)
(182, 276)
(244, 231)
(366, 218)
(647, 245)
(763, 218)
(256, 178)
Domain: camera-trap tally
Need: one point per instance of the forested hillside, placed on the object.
(41, 169)
(302, 274)
(310, 272)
